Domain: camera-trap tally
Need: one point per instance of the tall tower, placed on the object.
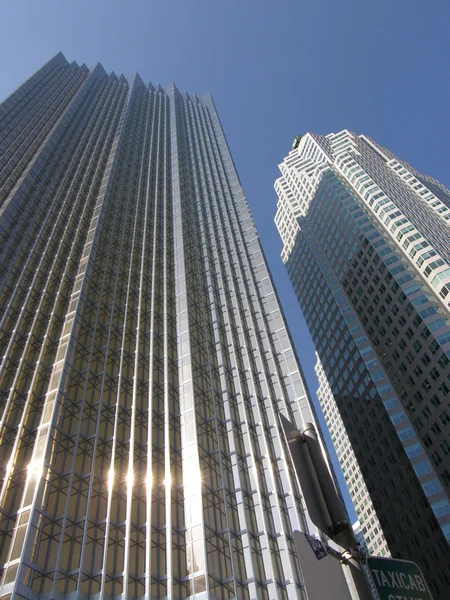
(144, 357)
(366, 243)
(371, 530)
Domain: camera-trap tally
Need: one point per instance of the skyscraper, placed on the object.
(145, 359)
(366, 244)
(374, 539)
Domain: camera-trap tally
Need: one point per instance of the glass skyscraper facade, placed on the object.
(144, 356)
(372, 532)
(366, 243)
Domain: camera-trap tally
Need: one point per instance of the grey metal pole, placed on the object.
(342, 530)
(324, 505)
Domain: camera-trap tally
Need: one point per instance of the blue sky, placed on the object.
(276, 68)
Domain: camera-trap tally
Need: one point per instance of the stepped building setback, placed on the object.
(144, 356)
(366, 243)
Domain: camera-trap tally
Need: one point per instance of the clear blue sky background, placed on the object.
(276, 68)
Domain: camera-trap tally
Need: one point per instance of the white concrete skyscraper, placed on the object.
(366, 242)
(145, 359)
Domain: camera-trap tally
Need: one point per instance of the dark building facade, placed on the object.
(367, 248)
(144, 356)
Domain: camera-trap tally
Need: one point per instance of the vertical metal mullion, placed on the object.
(240, 244)
(179, 121)
(77, 441)
(233, 286)
(94, 449)
(160, 193)
(45, 112)
(151, 190)
(86, 135)
(168, 488)
(74, 207)
(130, 478)
(51, 418)
(209, 231)
(117, 408)
(246, 260)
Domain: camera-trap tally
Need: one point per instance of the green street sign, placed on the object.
(398, 579)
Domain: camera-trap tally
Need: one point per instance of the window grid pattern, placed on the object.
(368, 266)
(145, 358)
(370, 527)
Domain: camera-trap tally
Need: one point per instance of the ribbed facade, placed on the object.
(144, 357)
(367, 248)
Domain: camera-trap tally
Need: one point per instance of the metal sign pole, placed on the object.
(326, 511)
